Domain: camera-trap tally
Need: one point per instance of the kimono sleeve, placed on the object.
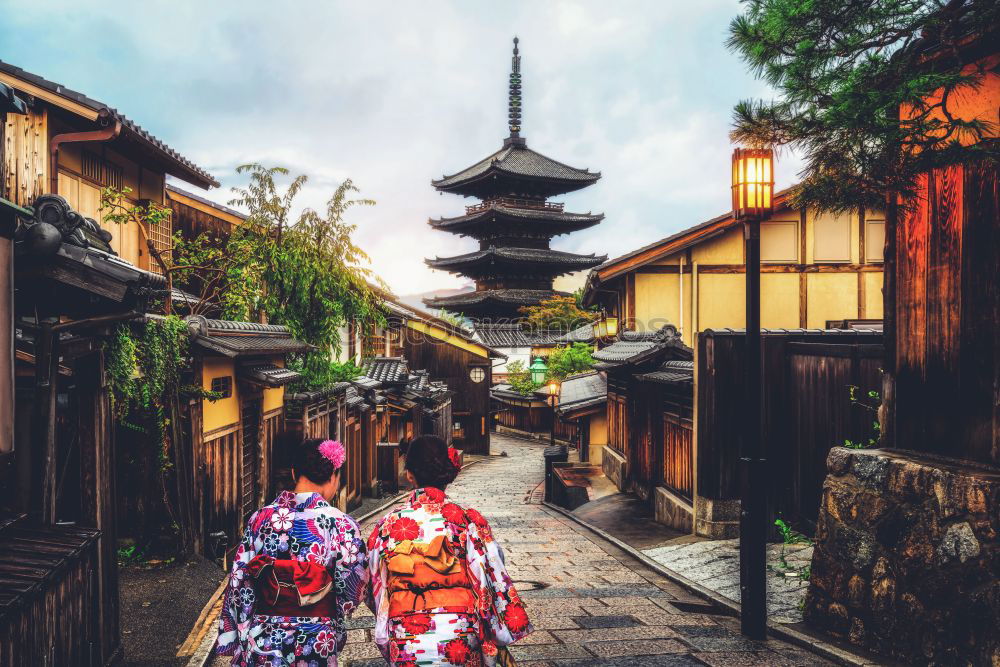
(505, 619)
(237, 605)
(377, 597)
(352, 566)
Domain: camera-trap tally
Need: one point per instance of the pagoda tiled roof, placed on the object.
(519, 161)
(560, 222)
(519, 256)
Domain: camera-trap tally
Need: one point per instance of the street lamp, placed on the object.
(538, 371)
(605, 327)
(554, 402)
(753, 195)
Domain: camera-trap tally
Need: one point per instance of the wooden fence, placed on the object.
(50, 607)
(807, 410)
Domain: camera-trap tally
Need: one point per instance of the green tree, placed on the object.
(557, 312)
(519, 378)
(305, 272)
(569, 359)
(844, 71)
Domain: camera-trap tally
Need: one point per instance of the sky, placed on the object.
(394, 94)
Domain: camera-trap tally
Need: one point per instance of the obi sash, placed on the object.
(423, 577)
(291, 588)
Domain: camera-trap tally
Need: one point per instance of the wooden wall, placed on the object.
(947, 308)
(807, 411)
(451, 364)
(26, 156)
(816, 267)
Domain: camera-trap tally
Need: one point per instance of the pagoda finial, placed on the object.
(514, 98)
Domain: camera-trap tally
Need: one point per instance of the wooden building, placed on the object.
(531, 416)
(513, 224)
(516, 343)
(644, 422)
(815, 267)
(447, 353)
(72, 145)
(234, 436)
(75, 279)
(583, 401)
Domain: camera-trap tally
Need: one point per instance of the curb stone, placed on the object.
(726, 606)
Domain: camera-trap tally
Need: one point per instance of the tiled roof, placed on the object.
(513, 335)
(563, 222)
(207, 202)
(301, 397)
(584, 390)
(365, 382)
(355, 400)
(505, 393)
(233, 339)
(418, 381)
(514, 296)
(582, 334)
(182, 167)
(388, 370)
(517, 160)
(635, 347)
(269, 375)
(674, 371)
(519, 256)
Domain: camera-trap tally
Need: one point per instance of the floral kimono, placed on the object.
(439, 588)
(295, 527)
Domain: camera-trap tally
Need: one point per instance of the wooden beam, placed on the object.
(48, 96)
(803, 301)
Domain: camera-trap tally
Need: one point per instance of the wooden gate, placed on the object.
(250, 491)
(820, 376)
(351, 478)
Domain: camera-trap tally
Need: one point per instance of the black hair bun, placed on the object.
(427, 458)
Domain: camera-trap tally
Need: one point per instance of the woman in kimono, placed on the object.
(439, 588)
(300, 570)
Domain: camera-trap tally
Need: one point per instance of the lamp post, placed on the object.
(554, 402)
(753, 190)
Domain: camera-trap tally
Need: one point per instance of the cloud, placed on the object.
(395, 94)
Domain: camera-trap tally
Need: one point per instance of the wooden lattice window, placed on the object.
(162, 237)
(102, 171)
(373, 344)
(223, 386)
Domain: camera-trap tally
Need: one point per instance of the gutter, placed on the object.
(112, 130)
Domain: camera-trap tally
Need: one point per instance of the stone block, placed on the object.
(615, 467)
(672, 510)
(717, 518)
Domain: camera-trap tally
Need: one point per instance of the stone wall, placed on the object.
(907, 557)
(615, 467)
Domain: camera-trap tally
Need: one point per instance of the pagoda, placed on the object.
(514, 223)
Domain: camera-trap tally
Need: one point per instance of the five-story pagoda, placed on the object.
(514, 224)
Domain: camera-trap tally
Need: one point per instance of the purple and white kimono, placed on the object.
(304, 527)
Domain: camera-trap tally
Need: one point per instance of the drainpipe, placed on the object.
(112, 127)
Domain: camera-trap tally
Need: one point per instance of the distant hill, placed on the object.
(417, 300)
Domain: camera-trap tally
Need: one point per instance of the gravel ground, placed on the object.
(159, 607)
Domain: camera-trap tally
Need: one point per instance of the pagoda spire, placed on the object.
(514, 96)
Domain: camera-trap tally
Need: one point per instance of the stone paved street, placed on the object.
(715, 564)
(590, 602)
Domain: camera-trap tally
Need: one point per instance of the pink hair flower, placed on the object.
(333, 452)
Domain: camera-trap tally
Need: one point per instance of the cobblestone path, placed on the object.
(591, 603)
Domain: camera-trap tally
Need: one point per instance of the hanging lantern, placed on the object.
(753, 182)
(538, 371)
